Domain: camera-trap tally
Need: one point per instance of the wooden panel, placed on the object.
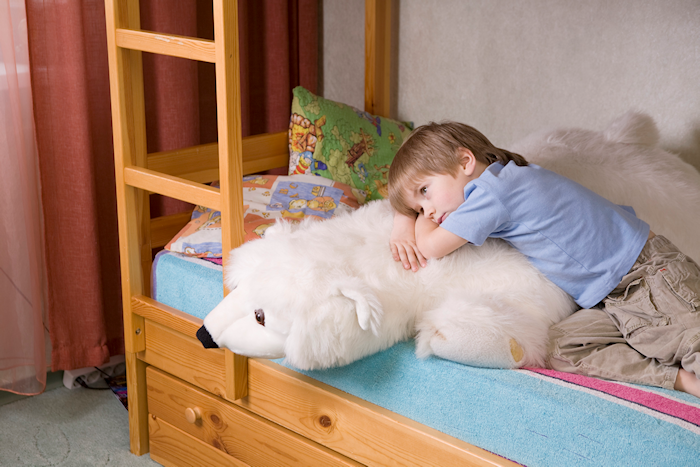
(197, 163)
(166, 315)
(201, 163)
(378, 57)
(352, 426)
(167, 44)
(265, 152)
(164, 228)
(174, 187)
(173, 447)
(185, 358)
(239, 433)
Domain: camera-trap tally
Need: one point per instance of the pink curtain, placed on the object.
(22, 334)
(70, 82)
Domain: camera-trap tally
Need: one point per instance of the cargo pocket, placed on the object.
(632, 310)
(683, 278)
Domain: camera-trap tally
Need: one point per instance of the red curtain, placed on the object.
(68, 55)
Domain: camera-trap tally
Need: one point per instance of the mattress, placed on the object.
(189, 284)
(534, 417)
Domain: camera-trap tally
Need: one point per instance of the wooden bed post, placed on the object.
(129, 127)
(378, 57)
(228, 108)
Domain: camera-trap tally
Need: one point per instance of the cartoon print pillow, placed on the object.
(266, 198)
(340, 142)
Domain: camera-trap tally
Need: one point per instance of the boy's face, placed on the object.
(436, 196)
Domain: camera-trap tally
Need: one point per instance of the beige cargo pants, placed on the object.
(645, 329)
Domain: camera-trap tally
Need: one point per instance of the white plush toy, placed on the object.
(325, 294)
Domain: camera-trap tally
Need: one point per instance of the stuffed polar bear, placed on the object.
(324, 294)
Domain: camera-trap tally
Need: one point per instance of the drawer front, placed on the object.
(231, 429)
(170, 446)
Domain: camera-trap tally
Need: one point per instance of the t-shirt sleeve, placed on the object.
(629, 209)
(478, 217)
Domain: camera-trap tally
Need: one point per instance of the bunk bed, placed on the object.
(194, 406)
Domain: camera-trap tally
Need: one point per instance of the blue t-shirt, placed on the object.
(582, 242)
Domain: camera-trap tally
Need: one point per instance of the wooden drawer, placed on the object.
(228, 428)
(172, 447)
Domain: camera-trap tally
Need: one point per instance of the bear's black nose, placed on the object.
(205, 338)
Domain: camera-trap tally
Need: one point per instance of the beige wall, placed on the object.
(510, 67)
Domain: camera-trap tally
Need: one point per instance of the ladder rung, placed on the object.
(167, 44)
(174, 187)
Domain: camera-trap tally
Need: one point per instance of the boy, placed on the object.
(640, 296)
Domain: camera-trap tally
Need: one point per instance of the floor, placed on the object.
(66, 428)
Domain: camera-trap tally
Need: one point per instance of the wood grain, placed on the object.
(174, 187)
(173, 447)
(167, 44)
(129, 128)
(185, 358)
(378, 57)
(231, 429)
(351, 426)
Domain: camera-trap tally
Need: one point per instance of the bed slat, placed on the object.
(164, 228)
(174, 187)
(167, 44)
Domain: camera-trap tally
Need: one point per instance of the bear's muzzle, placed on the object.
(205, 338)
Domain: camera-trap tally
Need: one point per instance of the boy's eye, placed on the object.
(423, 190)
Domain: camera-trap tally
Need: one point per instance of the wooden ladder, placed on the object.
(182, 173)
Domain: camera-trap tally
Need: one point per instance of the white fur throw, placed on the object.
(328, 293)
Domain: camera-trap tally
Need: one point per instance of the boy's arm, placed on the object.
(434, 241)
(403, 242)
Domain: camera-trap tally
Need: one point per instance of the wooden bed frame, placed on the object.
(191, 406)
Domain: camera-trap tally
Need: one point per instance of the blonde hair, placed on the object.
(432, 149)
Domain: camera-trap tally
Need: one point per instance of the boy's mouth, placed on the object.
(442, 218)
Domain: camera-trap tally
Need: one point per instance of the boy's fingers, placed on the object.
(403, 257)
(421, 259)
(413, 260)
(395, 252)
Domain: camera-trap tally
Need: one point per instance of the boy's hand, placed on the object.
(403, 243)
(433, 240)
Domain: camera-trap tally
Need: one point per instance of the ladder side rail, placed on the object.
(129, 129)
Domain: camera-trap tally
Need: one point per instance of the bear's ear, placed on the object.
(338, 326)
(367, 306)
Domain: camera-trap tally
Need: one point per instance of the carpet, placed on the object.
(64, 427)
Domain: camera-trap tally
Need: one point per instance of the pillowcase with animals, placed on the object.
(266, 198)
(340, 142)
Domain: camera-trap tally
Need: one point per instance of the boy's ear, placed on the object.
(467, 160)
